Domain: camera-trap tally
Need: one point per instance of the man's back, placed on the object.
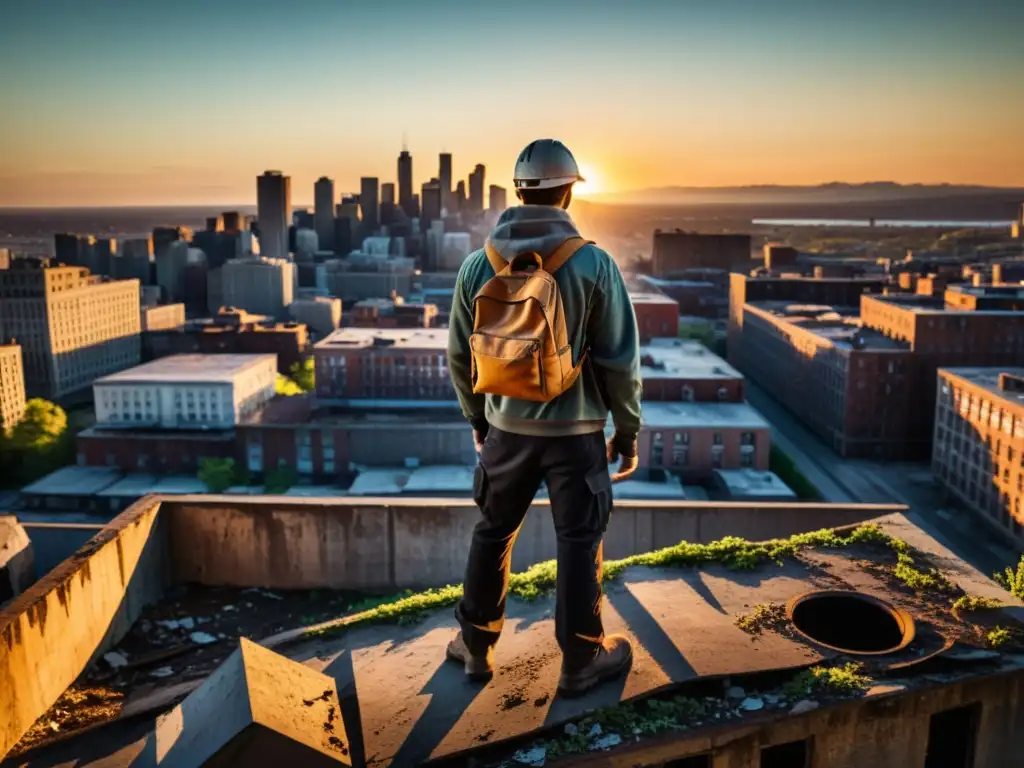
(598, 314)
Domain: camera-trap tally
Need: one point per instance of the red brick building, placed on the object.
(682, 370)
(978, 452)
(744, 288)
(694, 439)
(383, 364)
(656, 314)
(387, 313)
(676, 250)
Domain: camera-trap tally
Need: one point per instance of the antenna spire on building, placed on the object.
(405, 141)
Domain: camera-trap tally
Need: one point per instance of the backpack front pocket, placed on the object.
(508, 366)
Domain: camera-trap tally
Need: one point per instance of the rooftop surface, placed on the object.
(429, 339)
(840, 326)
(402, 704)
(930, 305)
(213, 369)
(757, 483)
(649, 297)
(674, 358)
(668, 415)
(988, 379)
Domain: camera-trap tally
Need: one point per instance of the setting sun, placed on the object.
(590, 186)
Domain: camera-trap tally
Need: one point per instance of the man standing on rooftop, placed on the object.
(553, 432)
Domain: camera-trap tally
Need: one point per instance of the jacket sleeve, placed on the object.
(460, 326)
(615, 354)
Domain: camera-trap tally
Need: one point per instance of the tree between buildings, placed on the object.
(36, 445)
(285, 386)
(220, 474)
(304, 374)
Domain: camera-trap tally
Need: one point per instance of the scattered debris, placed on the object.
(115, 659)
(168, 623)
(162, 672)
(595, 730)
(806, 705)
(606, 742)
(772, 699)
(571, 729)
(535, 756)
(541, 701)
(752, 704)
(202, 638)
(735, 692)
(187, 623)
(228, 608)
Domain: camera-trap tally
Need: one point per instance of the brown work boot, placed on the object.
(612, 660)
(478, 668)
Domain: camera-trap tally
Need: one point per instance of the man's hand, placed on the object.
(478, 441)
(625, 448)
(480, 429)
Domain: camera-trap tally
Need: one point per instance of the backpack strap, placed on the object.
(563, 253)
(497, 262)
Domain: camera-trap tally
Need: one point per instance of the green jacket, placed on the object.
(598, 313)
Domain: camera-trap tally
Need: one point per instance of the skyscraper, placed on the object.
(445, 178)
(460, 196)
(387, 193)
(369, 203)
(323, 216)
(497, 199)
(430, 199)
(476, 189)
(164, 236)
(274, 212)
(405, 182)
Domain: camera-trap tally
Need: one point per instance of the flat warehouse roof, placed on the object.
(212, 369)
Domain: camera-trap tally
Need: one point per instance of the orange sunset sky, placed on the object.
(115, 102)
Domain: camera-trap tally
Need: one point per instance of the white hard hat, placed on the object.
(545, 163)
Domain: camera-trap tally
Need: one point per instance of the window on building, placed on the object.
(717, 459)
(716, 438)
(747, 459)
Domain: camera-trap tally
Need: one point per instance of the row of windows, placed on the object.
(683, 438)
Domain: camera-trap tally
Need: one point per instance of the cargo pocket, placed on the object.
(600, 484)
(480, 486)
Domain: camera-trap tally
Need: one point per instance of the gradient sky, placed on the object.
(187, 101)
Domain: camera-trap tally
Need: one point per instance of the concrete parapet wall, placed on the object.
(51, 632)
(382, 544)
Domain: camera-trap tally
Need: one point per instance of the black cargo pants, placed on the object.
(511, 468)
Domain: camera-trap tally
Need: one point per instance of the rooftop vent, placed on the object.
(851, 622)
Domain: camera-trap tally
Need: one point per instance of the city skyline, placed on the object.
(652, 95)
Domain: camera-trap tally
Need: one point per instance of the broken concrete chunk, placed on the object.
(606, 742)
(162, 672)
(257, 708)
(115, 659)
(202, 638)
(535, 756)
(187, 623)
(807, 705)
(735, 692)
(752, 704)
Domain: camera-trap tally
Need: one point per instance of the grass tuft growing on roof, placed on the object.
(539, 580)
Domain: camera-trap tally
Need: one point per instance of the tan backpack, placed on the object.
(520, 346)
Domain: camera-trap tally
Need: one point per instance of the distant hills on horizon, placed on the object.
(833, 192)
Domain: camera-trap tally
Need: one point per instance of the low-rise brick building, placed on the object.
(852, 385)
(388, 364)
(793, 289)
(978, 454)
(656, 314)
(682, 370)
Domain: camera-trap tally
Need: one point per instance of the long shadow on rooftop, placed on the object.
(451, 694)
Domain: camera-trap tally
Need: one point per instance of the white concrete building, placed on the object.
(186, 392)
(259, 285)
(321, 314)
(455, 247)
